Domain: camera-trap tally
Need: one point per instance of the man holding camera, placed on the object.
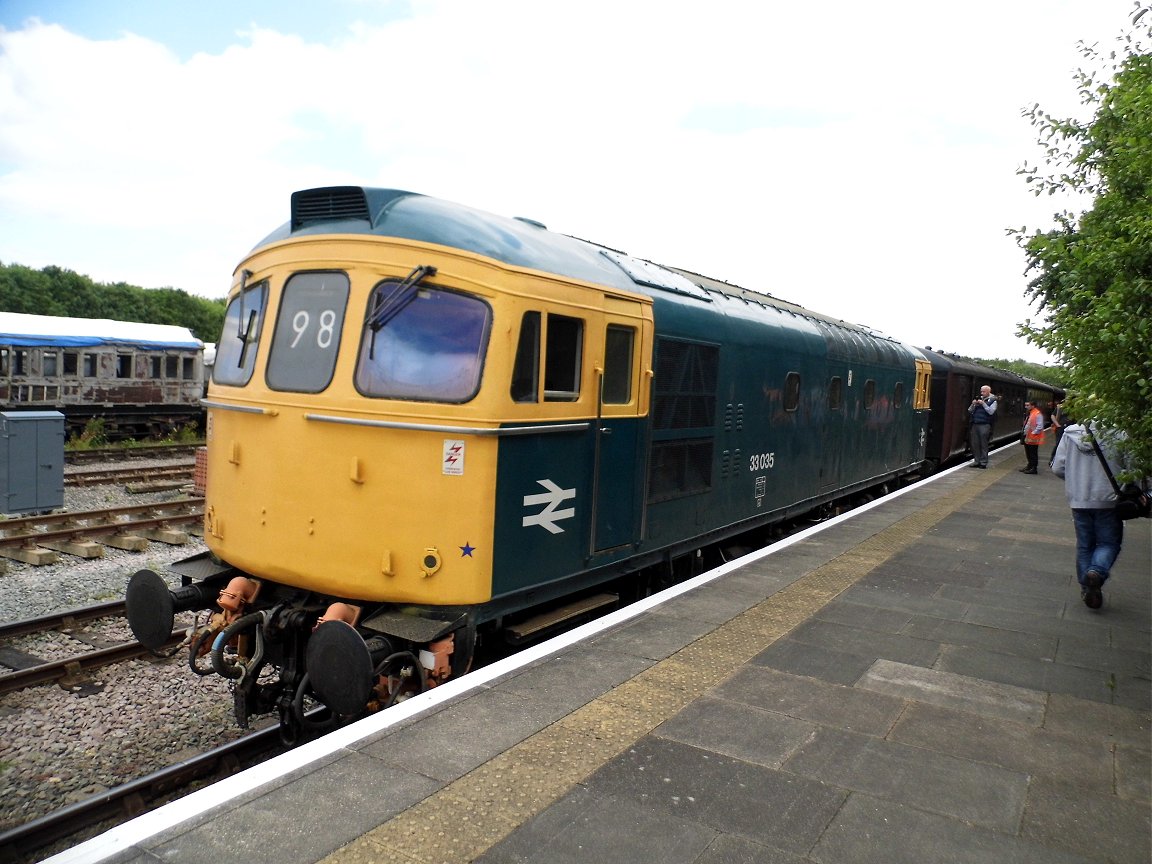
(981, 414)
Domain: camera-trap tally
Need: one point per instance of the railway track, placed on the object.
(33, 839)
(39, 540)
(138, 796)
(122, 454)
(101, 811)
(30, 670)
(155, 476)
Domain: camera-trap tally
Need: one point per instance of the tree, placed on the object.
(1057, 376)
(29, 291)
(1094, 268)
(56, 291)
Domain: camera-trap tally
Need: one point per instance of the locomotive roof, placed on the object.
(28, 330)
(517, 241)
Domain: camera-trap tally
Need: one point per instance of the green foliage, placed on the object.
(1093, 270)
(185, 434)
(1057, 376)
(94, 435)
(55, 291)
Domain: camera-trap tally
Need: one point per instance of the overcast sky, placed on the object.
(857, 158)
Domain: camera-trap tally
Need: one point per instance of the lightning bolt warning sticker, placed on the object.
(453, 457)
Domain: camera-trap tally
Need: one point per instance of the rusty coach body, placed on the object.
(140, 379)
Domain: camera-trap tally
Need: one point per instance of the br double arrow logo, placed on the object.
(549, 516)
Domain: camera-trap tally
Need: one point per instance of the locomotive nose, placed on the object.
(152, 606)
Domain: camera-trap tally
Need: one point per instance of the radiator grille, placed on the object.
(330, 204)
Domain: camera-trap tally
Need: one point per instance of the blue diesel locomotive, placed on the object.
(430, 427)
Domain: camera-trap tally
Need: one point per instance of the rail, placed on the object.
(137, 796)
(36, 539)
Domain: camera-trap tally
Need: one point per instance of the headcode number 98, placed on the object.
(761, 461)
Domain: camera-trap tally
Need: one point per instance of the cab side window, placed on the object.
(618, 342)
(563, 354)
(526, 369)
(562, 339)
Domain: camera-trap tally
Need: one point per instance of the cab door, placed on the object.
(572, 454)
(832, 429)
(619, 437)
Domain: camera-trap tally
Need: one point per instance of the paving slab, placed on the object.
(977, 793)
(738, 730)
(1021, 747)
(589, 828)
(303, 821)
(856, 640)
(728, 795)
(870, 830)
(1065, 815)
(973, 694)
(1094, 684)
(945, 631)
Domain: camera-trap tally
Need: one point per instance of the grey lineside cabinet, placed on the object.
(31, 461)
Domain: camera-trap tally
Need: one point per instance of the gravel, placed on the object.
(27, 590)
(61, 744)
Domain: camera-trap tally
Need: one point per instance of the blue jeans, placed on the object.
(1099, 534)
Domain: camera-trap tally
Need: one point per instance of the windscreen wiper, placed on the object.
(387, 308)
(244, 332)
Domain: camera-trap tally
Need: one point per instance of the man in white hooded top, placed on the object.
(1099, 530)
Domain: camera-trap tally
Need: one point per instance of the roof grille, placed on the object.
(329, 204)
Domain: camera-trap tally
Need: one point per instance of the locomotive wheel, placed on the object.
(339, 667)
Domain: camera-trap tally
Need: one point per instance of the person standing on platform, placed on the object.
(1033, 435)
(981, 415)
(1099, 531)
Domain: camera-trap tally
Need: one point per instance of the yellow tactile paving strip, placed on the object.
(470, 815)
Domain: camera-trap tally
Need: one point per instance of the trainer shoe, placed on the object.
(1093, 596)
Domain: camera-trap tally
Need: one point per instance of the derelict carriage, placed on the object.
(425, 420)
(140, 379)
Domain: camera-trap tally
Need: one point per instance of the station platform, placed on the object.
(915, 681)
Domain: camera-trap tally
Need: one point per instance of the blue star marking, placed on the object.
(466, 550)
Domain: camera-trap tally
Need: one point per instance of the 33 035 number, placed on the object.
(761, 461)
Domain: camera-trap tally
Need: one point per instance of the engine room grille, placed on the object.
(684, 389)
(684, 403)
(680, 468)
(328, 204)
